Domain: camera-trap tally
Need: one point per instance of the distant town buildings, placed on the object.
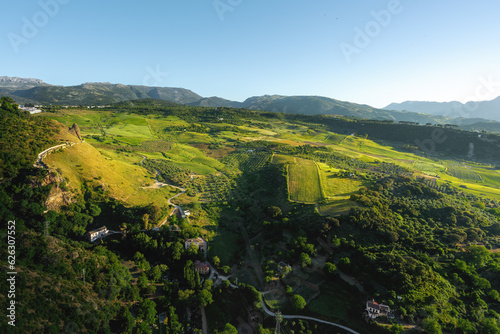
(97, 234)
(198, 242)
(32, 110)
(201, 267)
(375, 309)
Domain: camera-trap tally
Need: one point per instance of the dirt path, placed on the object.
(158, 185)
(253, 258)
(351, 280)
(204, 321)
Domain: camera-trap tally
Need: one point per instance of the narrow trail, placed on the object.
(159, 184)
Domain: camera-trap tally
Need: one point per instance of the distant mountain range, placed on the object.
(483, 109)
(24, 90)
(20, 83)
(101, 93)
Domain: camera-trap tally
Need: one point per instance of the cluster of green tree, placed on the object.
(231, 305)
(246, 161)
(54, 294)
(426, 254)
(22, 137)
(403, 244)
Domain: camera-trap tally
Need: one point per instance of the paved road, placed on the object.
(39, 162)
(268, 312)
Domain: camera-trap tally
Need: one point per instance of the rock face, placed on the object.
(58, 195)
(75, 130)
(15, 82)
(58, 198)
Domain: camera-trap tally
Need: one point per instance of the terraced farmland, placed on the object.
(463, 172)
(247, 160)
(213, 188)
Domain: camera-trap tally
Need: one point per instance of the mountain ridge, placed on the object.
(488, 109)
(27, 90)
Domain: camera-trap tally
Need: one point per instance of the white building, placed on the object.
(375, 309)
(96, 234)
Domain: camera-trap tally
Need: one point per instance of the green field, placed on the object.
(336, 187)
(283, 159)
(462, 171)
(304, 184)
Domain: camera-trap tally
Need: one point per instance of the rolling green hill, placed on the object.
(334, 209)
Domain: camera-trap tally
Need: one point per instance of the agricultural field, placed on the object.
(162, 125)
(462, 171)
(164, 137)
(358, 147)
(340, 187)
(283, 159)
(428, 167)
(237, 179)
(304, 184)
(489, 176)
(338, 190)
(213, 188)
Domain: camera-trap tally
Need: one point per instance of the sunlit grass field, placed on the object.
(118, 174)
(304, 183)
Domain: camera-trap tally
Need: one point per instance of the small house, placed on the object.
(375, 309)
(97, 234)
(201, 267)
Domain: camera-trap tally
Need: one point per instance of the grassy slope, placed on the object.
(124, 181)
(304, 183)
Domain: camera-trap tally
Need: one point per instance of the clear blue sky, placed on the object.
(426, 50)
